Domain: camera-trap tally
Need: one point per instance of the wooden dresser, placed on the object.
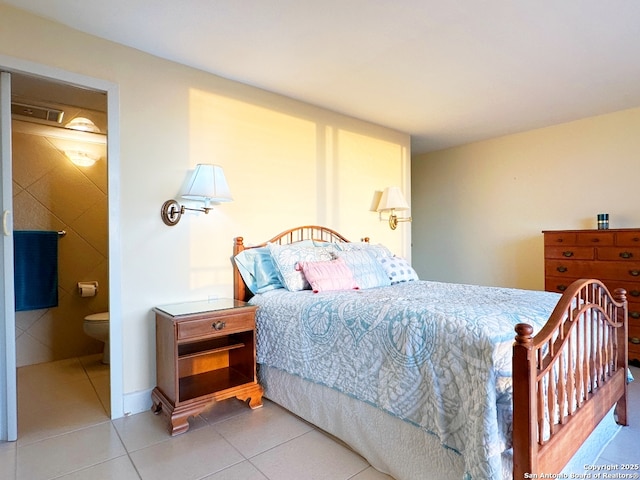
(612, 256)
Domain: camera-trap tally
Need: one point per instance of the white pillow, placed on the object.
(398, 269)
(286, 258)
(378, 249)
(367, 270)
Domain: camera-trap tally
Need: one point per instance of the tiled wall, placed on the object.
(51, 193)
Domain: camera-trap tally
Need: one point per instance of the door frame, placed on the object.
(8, 403)
(12, 64)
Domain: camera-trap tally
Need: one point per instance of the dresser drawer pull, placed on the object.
(634, 273)
(635, 293)
(595, 240)
(635, 340)
(561, 288)
(626, 254)
(218, 325)
(562, 269)
(567, 253)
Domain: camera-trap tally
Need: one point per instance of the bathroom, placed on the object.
(51, 193)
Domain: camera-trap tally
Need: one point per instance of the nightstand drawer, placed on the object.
(222, 324)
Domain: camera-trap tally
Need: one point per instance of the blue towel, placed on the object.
(35, 259)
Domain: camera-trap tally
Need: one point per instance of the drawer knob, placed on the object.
(634, 273)
(567, 253)
(634, 314)
(626, 254)
(561, 288)
(562, 269)
(595, 240)
(635, 293)
(218, 325)
(635, 340)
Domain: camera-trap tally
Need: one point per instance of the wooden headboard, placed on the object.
(293, 235)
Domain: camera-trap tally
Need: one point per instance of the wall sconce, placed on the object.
(390, 201)
(207, 184)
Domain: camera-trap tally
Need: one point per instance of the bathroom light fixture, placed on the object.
(81, 158)
(83, 124)
(207, 184)
(390, 201)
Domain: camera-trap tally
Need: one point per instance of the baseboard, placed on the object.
(137, 402)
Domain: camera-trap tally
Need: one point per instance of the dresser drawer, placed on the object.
(628, 239)
(634, 341)
(619, 254)
(595, 238)
(570, 251)
(220, 324)
(557, 284)
(599, 270)
(559, 238)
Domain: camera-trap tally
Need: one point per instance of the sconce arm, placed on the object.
(172, 211)
(394, 219)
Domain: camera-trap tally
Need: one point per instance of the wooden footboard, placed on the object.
(568, 376)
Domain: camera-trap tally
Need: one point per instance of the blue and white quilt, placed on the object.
(437, 355)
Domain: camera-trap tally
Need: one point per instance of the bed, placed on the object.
(424, 379)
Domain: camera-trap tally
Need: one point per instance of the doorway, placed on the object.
(44, 86)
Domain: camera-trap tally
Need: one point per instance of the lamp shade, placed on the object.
(392, 199)
(208, 184)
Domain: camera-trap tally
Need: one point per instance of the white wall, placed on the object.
(479, 209)
(287, 164)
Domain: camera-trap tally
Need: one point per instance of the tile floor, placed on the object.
(65, 433)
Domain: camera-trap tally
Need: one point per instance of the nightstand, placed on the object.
(205, 352)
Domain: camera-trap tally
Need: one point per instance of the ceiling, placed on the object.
(446, 72)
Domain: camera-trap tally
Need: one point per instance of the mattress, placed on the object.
(435, 356)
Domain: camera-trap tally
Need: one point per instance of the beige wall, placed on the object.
(287, 163)
(479, 209)
(51, 193)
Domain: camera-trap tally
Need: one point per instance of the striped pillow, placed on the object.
(328, 275)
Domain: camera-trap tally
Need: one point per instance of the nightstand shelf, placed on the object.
(204, 384)
(205, 352)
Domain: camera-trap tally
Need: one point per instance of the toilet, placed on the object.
(96, 326)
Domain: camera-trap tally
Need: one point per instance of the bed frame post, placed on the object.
(239, 287)
(525, 441)
(620, 295)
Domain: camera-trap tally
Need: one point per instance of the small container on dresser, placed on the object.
(612, 256)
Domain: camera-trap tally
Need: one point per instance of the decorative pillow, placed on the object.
(398, 269)
(329, 275)
(257, 270)
(286, 257)
(367, 270)
(378, 250)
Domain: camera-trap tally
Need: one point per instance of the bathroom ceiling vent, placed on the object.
(37, 112)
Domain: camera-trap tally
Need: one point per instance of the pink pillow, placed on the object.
(328, 275)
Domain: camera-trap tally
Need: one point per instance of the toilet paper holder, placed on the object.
(88, 289)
